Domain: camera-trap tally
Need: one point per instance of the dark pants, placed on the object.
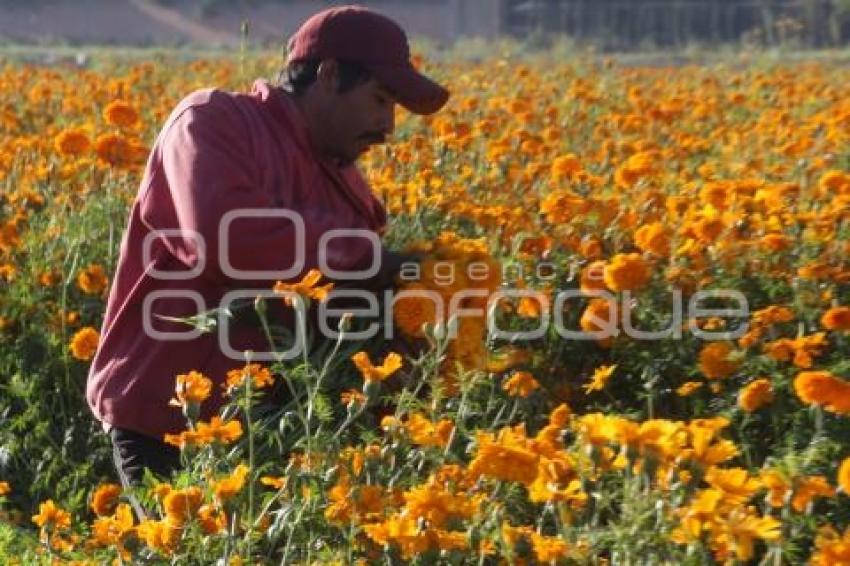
(133, 452)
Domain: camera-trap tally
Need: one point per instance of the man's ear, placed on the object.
(327, 75)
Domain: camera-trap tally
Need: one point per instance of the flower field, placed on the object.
(626, 341)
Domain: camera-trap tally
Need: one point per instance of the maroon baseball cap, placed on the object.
(363, 36)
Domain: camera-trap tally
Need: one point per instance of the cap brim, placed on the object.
(414, 91)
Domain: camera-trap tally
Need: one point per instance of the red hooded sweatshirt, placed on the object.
(217, 152)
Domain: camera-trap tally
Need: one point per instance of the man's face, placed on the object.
(356, 119)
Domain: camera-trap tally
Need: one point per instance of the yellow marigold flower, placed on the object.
(740, 529)
(51, 516)
(181, 505)
(844, 476)
(105, 499)
(5, 488)
(653, 238)
(73, 141)
(600, 378)
(260, 376)
(736, 483)
(823, 388)
(520, 384)
(84, 343)
(716, 362)
(226, 488)
(836, 318)
(626, 272)
(689, 388)
(191, 388)
(307, 288)
(92, 280)
(120, 113)
(273, 481)
(755, 395)
(371, 373)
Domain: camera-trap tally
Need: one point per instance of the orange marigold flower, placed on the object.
(73, 141)
(548, 550)
(212, 521)
(92, 280)
(592, 277)
(755, 395)
(226, 488)
(84, 343)
(653, 238)
(505, 456)
(836, 318)
(307, 288)
(565, 166)
(221, 431)
(807, 488)
(599, 317)
(689, 388)
(715, 361)
(823, 388)
(426, 433)
(5, 488)
(260, 376)
(414, 307)
(626, 272)
(180, 505)
(49, 515)
(352, 396)
(371, 373)
(191, 388)
(520, 384)
(105, 499)
(162, 536)
(835, 181)
(120, 113)
(114, 149)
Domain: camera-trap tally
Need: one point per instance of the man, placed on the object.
(228, 181)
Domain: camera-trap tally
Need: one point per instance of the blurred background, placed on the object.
(609, 25)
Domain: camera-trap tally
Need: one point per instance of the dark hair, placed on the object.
(298, 76)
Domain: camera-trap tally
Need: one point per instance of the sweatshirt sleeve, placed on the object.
(207, 171)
